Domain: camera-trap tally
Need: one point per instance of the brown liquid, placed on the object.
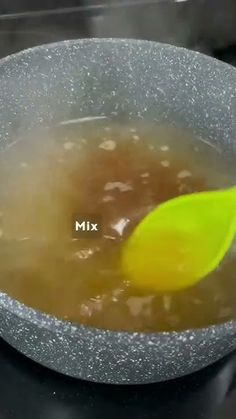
(119, 173)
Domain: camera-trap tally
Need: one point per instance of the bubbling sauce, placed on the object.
(118, 172)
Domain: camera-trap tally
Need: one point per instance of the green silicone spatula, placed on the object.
(181, 241)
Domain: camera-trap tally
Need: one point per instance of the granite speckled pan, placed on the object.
(72, 79)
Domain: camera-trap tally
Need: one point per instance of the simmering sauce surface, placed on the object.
(118, 172)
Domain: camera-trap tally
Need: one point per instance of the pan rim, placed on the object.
(52, 323)
(120, 41)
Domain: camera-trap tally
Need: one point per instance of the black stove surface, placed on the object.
(30, 391)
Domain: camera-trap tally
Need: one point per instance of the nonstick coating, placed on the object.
(75, 79)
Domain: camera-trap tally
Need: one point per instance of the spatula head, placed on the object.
(181, 241)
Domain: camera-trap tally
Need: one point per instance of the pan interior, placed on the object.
(115, 170)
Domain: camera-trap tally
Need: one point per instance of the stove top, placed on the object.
(29, 391)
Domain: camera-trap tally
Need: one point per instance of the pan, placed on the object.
(141, 79)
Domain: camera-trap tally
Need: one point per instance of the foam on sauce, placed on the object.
(120, 172)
